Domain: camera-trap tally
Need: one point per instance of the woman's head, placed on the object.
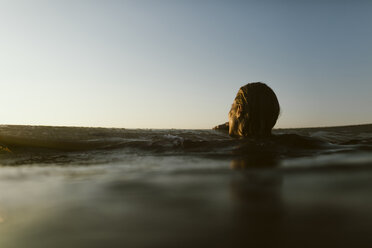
(254, 111)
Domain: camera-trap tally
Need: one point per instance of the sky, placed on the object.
(179, 64)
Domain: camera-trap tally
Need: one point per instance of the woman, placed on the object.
(253, 113)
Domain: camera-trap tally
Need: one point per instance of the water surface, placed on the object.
(93, 187)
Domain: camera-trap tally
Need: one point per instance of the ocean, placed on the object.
(108, 187)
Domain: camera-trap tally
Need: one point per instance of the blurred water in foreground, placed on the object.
(93, 187)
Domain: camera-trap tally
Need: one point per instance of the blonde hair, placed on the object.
(258, 109)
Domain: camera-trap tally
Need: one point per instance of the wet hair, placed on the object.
(254, 112)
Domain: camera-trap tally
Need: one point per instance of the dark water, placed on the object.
(95, 187)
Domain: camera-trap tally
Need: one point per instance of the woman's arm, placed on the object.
(222, 127)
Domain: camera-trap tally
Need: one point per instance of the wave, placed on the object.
(63, 144)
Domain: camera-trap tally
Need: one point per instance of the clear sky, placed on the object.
(179, 64)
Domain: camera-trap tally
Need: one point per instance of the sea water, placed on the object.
(101, 187)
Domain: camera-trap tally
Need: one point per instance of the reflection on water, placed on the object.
(254, 162)
(303, 206)
(258, 211)
(160, 201)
